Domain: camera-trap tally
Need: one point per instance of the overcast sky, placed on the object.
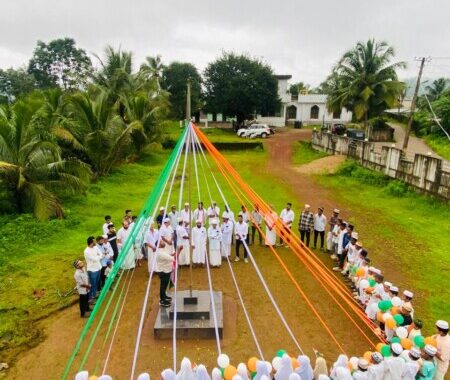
(297, 37)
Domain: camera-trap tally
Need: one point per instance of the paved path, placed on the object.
(415, 145)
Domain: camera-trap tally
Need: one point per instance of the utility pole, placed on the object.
(188, 101)
(413, 103)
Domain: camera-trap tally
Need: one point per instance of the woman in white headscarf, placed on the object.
(168, 374)
(261, 370)
(341, 362)
(242, 371)
(304, 370)
(285, 368)
(343, 373)
(320, 368)
(186, 372)
(201, 373)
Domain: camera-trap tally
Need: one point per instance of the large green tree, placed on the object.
(237, 85)
(60, 63)
(365, 81)
(15, 83)
(31, 166)
(298, 88)
(175, 77)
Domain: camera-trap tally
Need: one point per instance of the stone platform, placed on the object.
(194, 316)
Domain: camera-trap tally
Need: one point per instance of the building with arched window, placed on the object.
(307, 108)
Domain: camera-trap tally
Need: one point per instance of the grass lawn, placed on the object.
(303, 153)
(415, 225)
(36, 258)
(440, 144)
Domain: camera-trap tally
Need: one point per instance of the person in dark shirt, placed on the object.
(112, 238)
(160, 217)
(406, 313)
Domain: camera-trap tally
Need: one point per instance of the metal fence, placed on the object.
(425, 173)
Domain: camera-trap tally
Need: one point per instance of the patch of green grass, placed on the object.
(416, 227)
(303, 153)
(440, 144)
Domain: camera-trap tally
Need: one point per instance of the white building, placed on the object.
(309, 108)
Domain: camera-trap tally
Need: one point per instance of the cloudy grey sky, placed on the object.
(298, 37)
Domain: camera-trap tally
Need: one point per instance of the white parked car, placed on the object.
(255, 130)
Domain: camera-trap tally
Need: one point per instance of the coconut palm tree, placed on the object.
(31, 164)
(365, 81)
(152, 69)
(436, 89)
(101, 133)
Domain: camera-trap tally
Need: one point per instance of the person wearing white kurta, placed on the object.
(200, 213)
(215, 237)
(122, 236)
(227, 235)
(395, 365)
(182, 244)
(186, 214)
(376, 370)
(198, 242)
(213, 211)
(271, 233)
(166, 233)
(287, 216)
(375, 297)
(151, 238)
(412, 363)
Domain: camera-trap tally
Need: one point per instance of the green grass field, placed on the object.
(441, 145)
(303, 153)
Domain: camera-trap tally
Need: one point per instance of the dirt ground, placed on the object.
(47, 360)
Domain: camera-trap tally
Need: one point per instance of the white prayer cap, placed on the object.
(225, 215)
(161, 209)
(408, 294)
(376, 271)
(393, 288)
(213, 202)
(363, 363)
(414, 353)
(144, 376)
(396, 348)
(166, 220)
(359, 243)
(377, 357)
(337, 211)
(307, 205)
(214, 221)
(371, 269)
(179, 220)
(355, 235)
(430, 350)
(186, 204)
(443, 325)
(105, 377)
(105, 236)
(198, 221)
(388, 284)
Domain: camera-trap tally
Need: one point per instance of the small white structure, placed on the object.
(308, 108)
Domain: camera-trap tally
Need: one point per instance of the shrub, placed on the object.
(397, 188)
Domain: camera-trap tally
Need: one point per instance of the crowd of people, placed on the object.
(177, 237)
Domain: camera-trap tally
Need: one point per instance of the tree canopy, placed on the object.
(237, 85)
(365, 81)
(175, 77)
(60, 63)
(15, 83)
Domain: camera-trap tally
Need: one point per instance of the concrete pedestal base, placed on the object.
(194, 320)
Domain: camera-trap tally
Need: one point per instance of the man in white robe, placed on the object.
(376, 369)
(122, 236)
(200, 214)
(166, 233)
(213, 211)
(151, 238)
(198, 243)
(375, 297)
(182, 244)
(227, 235)
(186, 214)
(412, 364)
(215, 237)
(271, 234)
(395, 365)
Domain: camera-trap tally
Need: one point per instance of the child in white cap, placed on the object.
(443, 349)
